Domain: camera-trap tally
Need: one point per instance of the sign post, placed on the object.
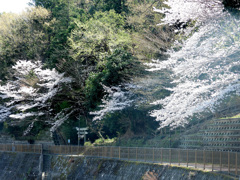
(82, 132)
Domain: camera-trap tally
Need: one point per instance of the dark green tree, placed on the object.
(63, 12)
(118, 5)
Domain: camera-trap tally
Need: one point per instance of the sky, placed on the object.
(14, 6)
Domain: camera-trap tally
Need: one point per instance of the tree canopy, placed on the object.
(99, 45)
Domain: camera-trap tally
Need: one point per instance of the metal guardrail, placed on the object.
(220, 161)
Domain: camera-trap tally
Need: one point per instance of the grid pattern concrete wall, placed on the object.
(219, 134)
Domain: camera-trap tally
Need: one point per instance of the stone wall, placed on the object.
(106, 169)
(217, 134)
(19, 166)
(16, 166)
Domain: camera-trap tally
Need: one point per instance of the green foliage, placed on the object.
(236, 116)
(103, 142)
(119, 6)
(5, 125)
(131, 142)
(148, 39)
(62, 13)
(128, 123)
(114, 125)
(62, 105)
(99, 141)
(69, 131)
(23, 36)
(119, 65)
(88, 143)
(16, 131)
(98, 36)
(102, 46)
(93, 89)
(95, 42)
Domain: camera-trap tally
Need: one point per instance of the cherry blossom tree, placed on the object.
(27, 97)
(115, 100)
(205, 68)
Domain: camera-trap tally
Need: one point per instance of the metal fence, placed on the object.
(25, 148)
(220, 161)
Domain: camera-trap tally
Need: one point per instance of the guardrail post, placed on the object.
(128, 153)
(187, 157)
(236, 165)
(228, 162)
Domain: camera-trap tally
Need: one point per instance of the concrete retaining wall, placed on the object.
(16, 166)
